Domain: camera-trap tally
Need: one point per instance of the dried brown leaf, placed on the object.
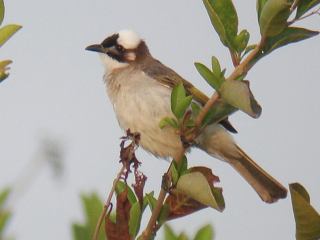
(138, 186)
(119, 230)
(181, 205)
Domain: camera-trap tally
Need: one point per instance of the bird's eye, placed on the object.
(119, 48)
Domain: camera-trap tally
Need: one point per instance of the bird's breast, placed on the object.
(140, 102)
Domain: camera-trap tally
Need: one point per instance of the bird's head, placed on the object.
(120, 50)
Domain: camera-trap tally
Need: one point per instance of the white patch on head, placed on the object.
(111, 64)
(128, 39)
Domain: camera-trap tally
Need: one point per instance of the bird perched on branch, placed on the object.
(139, 87)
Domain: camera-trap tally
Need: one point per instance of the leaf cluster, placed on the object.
(6, 33)
(276, 31)
(192, 189)
(189, 190)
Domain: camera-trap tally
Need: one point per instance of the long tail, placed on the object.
(217, 142)
(268, 188)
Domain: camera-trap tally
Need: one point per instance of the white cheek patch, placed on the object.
(110, 64)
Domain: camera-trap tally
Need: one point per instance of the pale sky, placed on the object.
(56, 89)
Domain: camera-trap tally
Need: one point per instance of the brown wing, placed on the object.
(170, 78)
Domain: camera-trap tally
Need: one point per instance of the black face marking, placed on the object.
(110, 41)
(116, 51)
(116, 56)
(119, 48)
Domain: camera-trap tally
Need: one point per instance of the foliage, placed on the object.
(92, 206)
(275, 18)
(276, 32)
(117, 222)
(6, 33)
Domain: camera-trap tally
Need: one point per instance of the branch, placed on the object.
(206, 109)
(146, 234)
(108, 202)
(245, 66)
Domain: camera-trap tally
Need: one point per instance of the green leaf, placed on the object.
(248, 49)
(151, 200)
(183, 236)
(196, 186)
(182, 106)
(260, 5)
(223, 72)
(239, 95)
(179, 101)
(2, 10)
(241, 41)
(304, 6)
(216, 68)
(174, 173)
(224, 19)
(213, 80)
(273, 18)
(288, 36)
(221, 110)
(122, 186)
(204, 233)
(163, 216)
(195, 109)
(7, 31)
(4, 217)
(80, 232)
(183, 166)
(4, 196)
(178, 93)
(168, 233)
(177, 169)
(307, 219)
(3, 69)
(134, 219)
(92, 206)
(168, 121)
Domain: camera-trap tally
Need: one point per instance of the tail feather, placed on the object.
(217, 142)
(268, 188)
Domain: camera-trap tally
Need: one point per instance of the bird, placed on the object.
(139, 87)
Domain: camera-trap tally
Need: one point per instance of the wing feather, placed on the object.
(170, 78)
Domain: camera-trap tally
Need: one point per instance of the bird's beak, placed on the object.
(96, 48)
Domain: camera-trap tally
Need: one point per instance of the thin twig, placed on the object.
(314, 12)
(235, 58)
(209, 104)
(294, 5)
(155, 214)
(244, 66)
(107, 203)
(146, 234)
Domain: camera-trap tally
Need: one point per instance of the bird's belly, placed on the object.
(141, 109)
